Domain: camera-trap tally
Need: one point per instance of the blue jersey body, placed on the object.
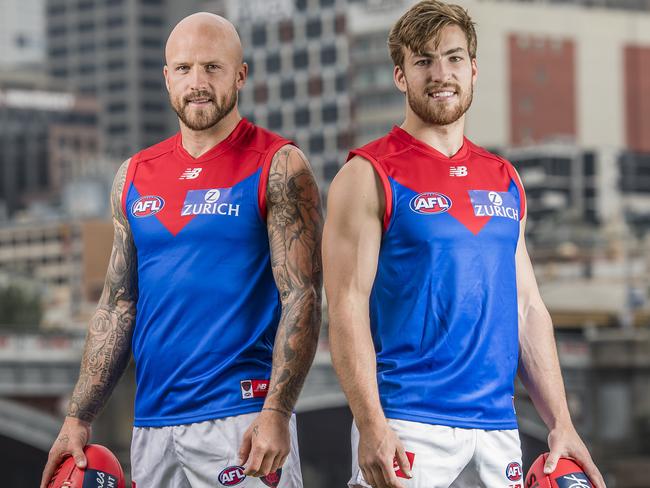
(208, 306)
(443, 308)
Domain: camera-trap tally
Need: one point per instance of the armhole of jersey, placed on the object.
(383, 177)
(264, 175)
(130, 173)
(520, 189)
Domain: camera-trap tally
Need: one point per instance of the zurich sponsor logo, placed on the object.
(430, 203)
(209, 202)
(494, 204)
(232, 475)
(514, 472)
(573, 480)
(146, 206)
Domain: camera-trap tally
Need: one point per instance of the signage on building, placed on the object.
(37, 100)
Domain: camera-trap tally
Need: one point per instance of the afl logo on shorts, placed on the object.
(146, 206)
(514, 472)
(430, 203)
(232, 475)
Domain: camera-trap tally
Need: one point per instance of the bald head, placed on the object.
(204, 32)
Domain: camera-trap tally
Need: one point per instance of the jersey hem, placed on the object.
(192, 419)
(452, 421)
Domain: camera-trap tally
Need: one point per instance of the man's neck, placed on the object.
(198, 142)
(447, 139)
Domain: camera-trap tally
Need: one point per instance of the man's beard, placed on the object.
(439, 113)
(205, 117)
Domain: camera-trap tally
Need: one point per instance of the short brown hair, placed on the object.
(423, 22)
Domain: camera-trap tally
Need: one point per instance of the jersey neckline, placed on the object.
(215, 151)
(403, 135)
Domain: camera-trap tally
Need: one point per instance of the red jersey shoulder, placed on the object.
(381, 148)
(157, 150)
(259, 139)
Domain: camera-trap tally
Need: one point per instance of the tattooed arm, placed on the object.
(108, 342)
(294, 225)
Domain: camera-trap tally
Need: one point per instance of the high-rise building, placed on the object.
(114, 51)
(22, 34)
(298, 58)
(47, 138)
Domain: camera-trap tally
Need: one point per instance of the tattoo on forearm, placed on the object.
(294, 224)
(108, 343)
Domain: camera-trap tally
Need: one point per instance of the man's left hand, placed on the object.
(565, 442)
(266, 443)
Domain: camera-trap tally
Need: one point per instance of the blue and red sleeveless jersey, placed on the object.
(208, 306)
(443, 308)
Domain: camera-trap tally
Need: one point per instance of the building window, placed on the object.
(341, 83)
(315, 86)
(85, 5)
(344, 141)
(115, 65)
(339, 24)
(330, 113)
(285, 31)
(328, 55)
(261, 93)
(117, 107)
(151, 21)
(301, 5)
(114, 22)
(287, 89)
(85, 26)
(300, 59)
(275, 120)
(115, 43)
(259, 35)
(301, 116)
(86, 69)
(327, 3)
(251, 67)
(273, 63)
(116, 86)
(314, 28)
(316, 144)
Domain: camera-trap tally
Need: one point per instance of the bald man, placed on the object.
(214, 284)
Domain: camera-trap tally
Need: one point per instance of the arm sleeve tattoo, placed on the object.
(108, 341)
(294, 225)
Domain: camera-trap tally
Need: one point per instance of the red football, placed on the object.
(103, 470)
(567, 474)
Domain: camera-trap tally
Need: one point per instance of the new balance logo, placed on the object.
(190, 174)
(458, 171)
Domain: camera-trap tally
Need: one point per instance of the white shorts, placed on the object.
(203, 455)
(450, 457)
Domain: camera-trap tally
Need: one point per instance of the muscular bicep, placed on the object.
(121, 282)
(294, 223)
(353, 232)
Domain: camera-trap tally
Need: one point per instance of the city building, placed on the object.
(114, 51)
(22, 34)
(48, 138)
(68, 258)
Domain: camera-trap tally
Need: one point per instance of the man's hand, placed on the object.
(378, 446)
(266, 443)
(565, 442)
(71, 440)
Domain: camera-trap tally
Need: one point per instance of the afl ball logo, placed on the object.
(232, 475)
(514, 472)
(430, 203)
(146, 206)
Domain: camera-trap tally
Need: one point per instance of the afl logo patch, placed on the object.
(146, 206)
(514, 472)
(232, 475)
(430, 203)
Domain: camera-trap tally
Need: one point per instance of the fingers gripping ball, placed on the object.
(567, 474)
(103, 470)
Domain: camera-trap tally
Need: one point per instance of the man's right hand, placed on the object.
(378, 446)
(71, 440)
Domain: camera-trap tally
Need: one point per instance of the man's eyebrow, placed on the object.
(429, 54)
